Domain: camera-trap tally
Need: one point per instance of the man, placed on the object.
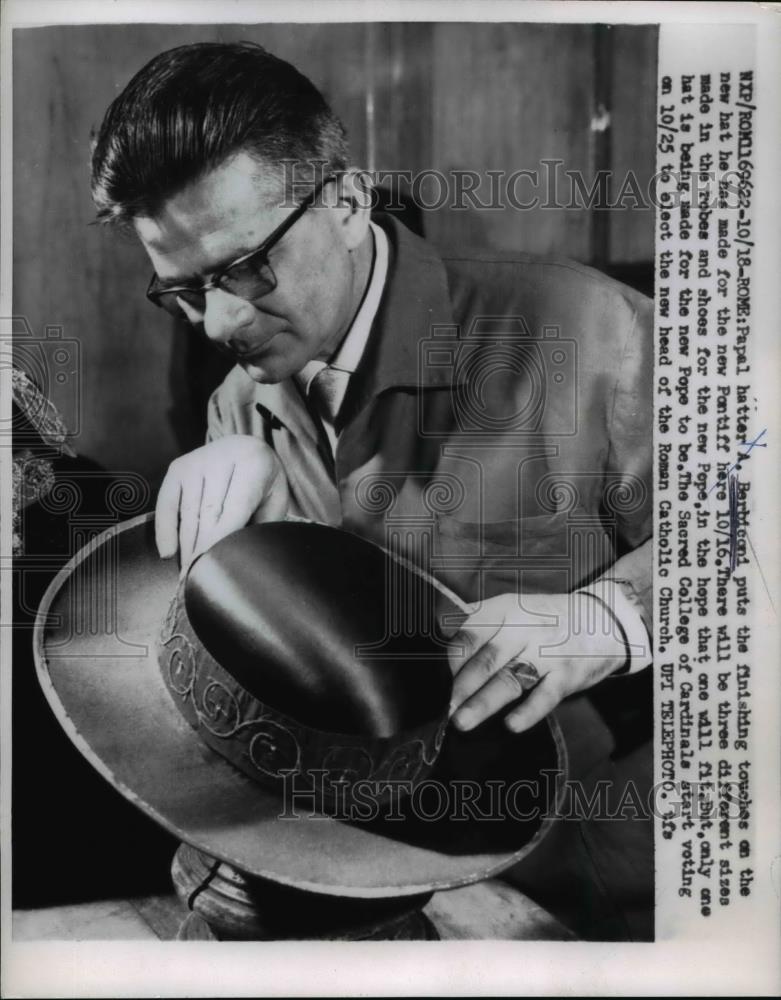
(487, 416)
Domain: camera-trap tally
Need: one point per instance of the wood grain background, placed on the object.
(413, 96)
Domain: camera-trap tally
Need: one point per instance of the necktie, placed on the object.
(327, 390)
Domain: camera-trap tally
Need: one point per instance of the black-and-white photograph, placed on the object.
(342, 506)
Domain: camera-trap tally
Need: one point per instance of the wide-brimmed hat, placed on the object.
(482, 801)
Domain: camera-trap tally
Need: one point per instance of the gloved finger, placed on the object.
(218, 488)
(193, 488)
(167, 515)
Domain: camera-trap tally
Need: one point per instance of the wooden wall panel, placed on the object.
(401, 61)
(506, 97)
(68, 273)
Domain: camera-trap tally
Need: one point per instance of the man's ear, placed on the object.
(355, 195)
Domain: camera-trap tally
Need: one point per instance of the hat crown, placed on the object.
(322, 626)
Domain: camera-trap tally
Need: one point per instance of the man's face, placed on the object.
(320, 265)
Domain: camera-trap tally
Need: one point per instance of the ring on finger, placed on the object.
(525, 674)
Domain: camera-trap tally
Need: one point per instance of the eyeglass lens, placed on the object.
(248, 279)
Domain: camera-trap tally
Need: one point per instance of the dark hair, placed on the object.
(192, 108)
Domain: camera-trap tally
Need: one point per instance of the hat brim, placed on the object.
(95, 654)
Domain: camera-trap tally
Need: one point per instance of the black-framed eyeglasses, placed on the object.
(250, 276)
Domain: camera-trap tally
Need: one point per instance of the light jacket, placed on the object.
(498, 431)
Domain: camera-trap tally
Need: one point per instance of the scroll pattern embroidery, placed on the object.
(265, 743)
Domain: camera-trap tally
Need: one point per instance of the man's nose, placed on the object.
(227, 318)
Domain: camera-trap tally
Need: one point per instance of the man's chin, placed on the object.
(267, 371)
(258, 372)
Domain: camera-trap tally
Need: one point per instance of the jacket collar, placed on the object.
(415, 302)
